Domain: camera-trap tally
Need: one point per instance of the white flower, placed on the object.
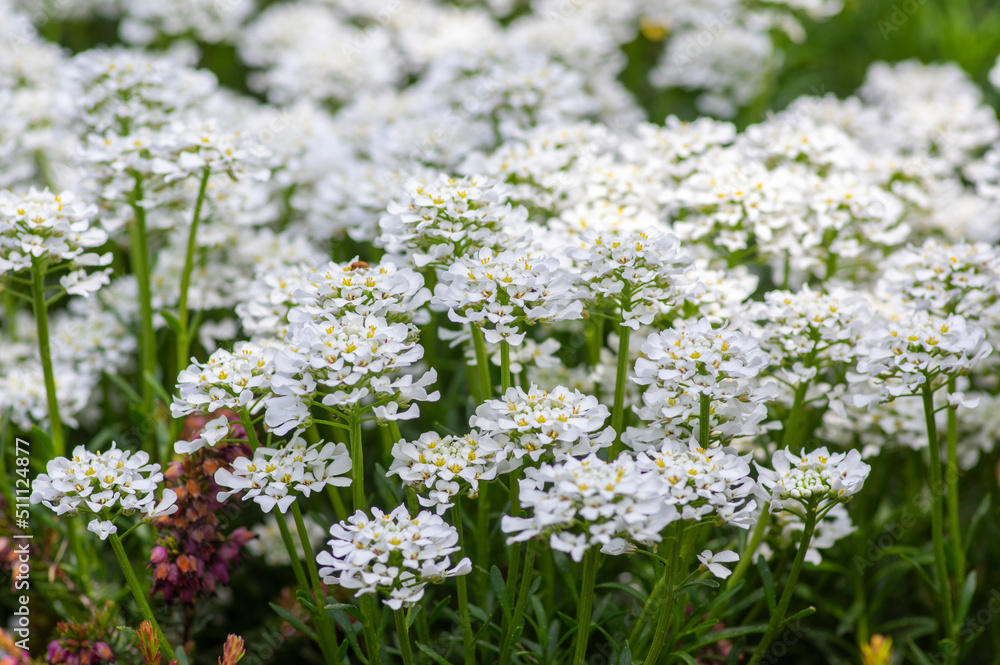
(578, 504)
(231, 380)
(40, 224)
(273, 477)
(682, 364)
(902, 356)
(499, 291)
(442, 467)
(814, 476)
(102, 528)
(439, 221)
(395, 553)
(637, 274)
(550, 424)
(713, 562)
(98, 482)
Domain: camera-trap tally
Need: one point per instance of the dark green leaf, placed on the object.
(294, 621)
(767, 580)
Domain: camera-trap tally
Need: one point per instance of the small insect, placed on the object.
(358, 265)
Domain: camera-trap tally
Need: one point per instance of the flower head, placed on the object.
(393, 553)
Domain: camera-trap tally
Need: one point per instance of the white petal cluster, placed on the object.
(393, 553)
(546, 425)
(275, 476)
(807, 330)
(638, 273)
(702, 482)
(582, 503)
(51, 227)
(443, 467)
(902, 356)
(438, 221)
(815, 476)
(682, 364)
(958, 278)
(102, 483)
(352, 357)
(227, 380)
(497, 291)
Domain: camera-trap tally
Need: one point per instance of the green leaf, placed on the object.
(625, 656)
(965, 599)
(157, 387)
(433, 654)
(801, 614)
(294, 621)
(981, 512)
(918, 655)
(500, 590)
(711, 584)
(173, 322)
(625, 588)
(388, 492)
(767, 580)
(182, 658)
(306, 599)
(133, 396)
(687, 658)
(353, 610)
(411, 615)
(727, 634)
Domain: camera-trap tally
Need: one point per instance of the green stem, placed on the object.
(618, 409)
(38, 266)
(371, 625)
(327, 635)
(482, 362)
(778, 617)
(527, 577)
(937, 516)
(514, 556)
(504, 366)
(406, 650)
(183, 335)
(293, 554)
(669, 595)
(951, 480)
(357, 462)
(751, 549)
(789, 436)
(80, 551)
(140, 264)
(468, 643)
(647, 609)
(483, 539)
(247, 422)
(139, 595)
(590, 562)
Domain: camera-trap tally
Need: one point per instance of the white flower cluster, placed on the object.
(901, 357)
(958, 278)
(497, 291)
(544, 425)
(683, 364)
(99, 483)
(393, 553)
(274, 477)
(816, 476)
(445, 466)
(701, 482)
(638, 273)
(352, 357)
(227, 380)
(447, 218)
(53, 228)
(582, 503)
(806, 331)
